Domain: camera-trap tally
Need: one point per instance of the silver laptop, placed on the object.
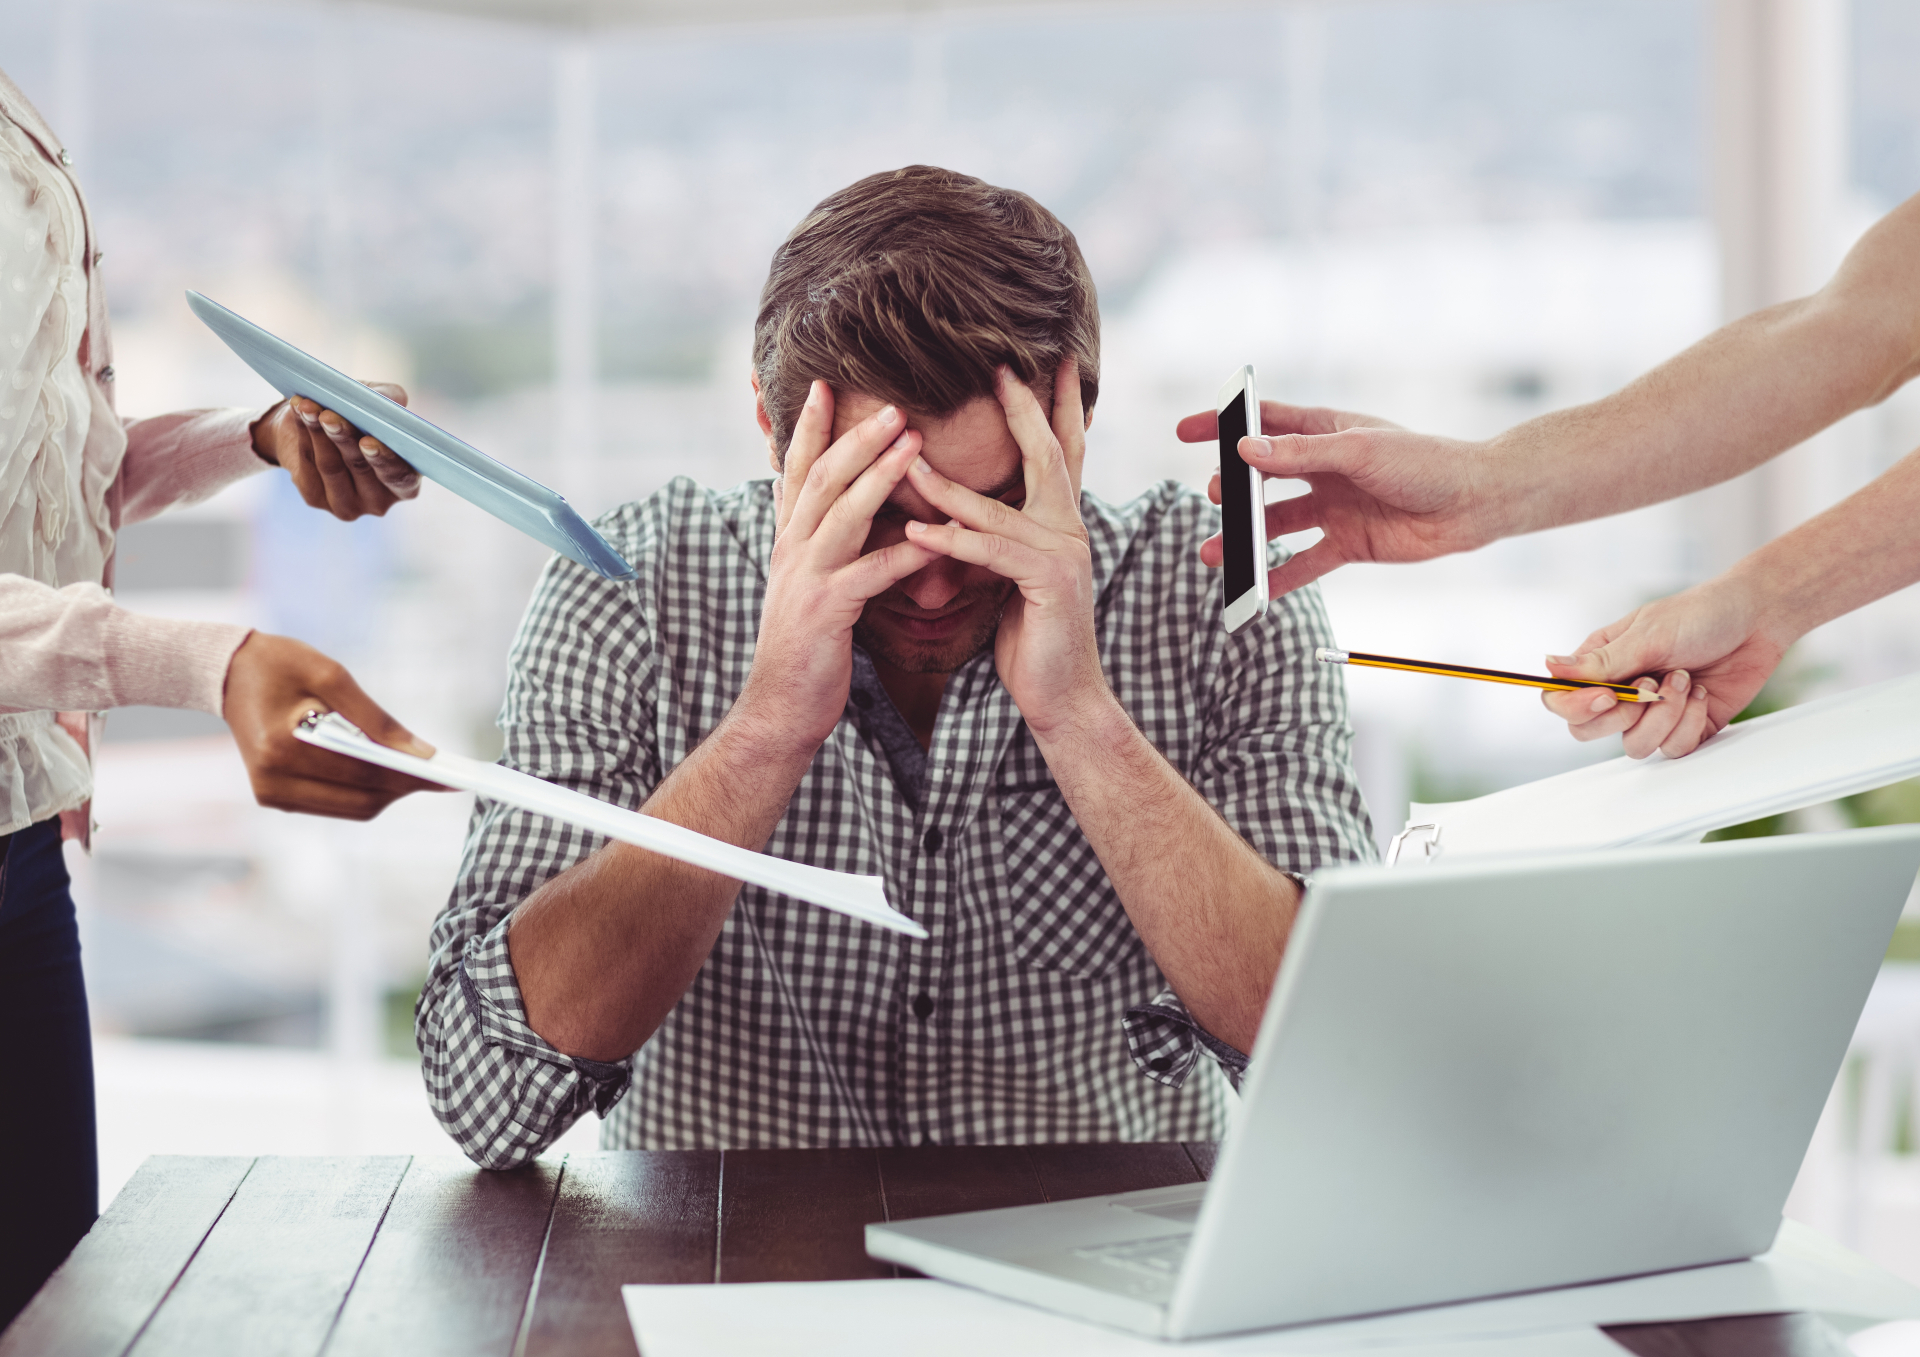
(1488, 1078)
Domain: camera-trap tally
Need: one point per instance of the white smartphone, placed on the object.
(1243, 510)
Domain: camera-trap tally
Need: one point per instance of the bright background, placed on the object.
(1453, 214)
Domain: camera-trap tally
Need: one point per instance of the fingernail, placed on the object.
(1679, 678)
(920, 465)
(1700, 691)
(1602, 702)
(1560, 659)
(915, 527)
(1262, 447)
(888, 415)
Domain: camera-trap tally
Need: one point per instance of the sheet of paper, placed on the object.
(862, 897)
(933, 1319)
(1803, 1271)
(1850, 742)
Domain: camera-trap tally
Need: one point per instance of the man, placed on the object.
(919, 652)
(1745, 393)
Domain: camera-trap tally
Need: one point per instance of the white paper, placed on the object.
(933, 1319)
(1851, 742)
(1803, 1271)
(862, 897)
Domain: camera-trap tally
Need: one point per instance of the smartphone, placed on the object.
(1243, 510)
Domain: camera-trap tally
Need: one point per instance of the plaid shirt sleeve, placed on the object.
(498, 1089)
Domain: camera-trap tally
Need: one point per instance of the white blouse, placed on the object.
(55, 526)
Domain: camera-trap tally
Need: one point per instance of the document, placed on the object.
(860, 897)
(1850, 742)
(1803, 1271)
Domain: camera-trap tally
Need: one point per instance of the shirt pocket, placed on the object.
(1065, 915)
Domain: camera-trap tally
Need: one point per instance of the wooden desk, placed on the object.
(427, 1256)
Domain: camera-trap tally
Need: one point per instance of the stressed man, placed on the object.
(918, 652)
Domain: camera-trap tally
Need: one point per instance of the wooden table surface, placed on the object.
(427, 1256)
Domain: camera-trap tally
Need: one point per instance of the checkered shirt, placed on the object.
(1033, 1012)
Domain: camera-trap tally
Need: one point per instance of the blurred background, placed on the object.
(550, 221)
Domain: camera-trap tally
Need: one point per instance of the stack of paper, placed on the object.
(1803, 1271)
(862, 897)
(1851, 742)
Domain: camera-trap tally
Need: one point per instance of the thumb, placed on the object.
(1297, 454)
(1620, 660)
(346, 697)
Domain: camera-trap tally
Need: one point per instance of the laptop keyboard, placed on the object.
(1160, 1257)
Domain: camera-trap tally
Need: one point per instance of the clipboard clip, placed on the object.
(1428, 843)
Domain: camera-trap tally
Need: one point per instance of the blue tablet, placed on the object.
(436, 454)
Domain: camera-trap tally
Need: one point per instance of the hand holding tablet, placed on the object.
(436, 454)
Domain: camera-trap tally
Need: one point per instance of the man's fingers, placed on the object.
(849, 519)
(878, 571)
(837, 468)
(974, 510)
(1070, 419)
(1297, 513)
(812, 432)
(1050, 497)
(1002, 555)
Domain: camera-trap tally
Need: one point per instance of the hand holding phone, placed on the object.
(1242, 507)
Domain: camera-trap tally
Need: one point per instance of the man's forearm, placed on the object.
(1742, 395)
(604, 951)
(1213, 913)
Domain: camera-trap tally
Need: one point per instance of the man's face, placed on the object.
(938, 618)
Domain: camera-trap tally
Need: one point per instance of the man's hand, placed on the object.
(1046, 651)
(1711, 643)
(819, 582)
(273, 682)
(1378, 492)
(333, 465)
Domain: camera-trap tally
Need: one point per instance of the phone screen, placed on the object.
(1239, 550)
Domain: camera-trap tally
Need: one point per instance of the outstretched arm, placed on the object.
(1718, 641)
(1742, 395)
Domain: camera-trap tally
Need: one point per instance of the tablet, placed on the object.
(512, 498)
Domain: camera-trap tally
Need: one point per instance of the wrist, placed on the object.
(1093, 723)
(767, 733)
(1770, 600)
(1502, 501)
(261, 436)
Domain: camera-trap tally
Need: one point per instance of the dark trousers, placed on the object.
(49, 1165)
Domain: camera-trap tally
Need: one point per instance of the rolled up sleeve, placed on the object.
(501, 1091)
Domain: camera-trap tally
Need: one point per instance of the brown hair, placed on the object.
(912, 286)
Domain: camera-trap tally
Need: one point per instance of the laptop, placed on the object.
(1485, 1078)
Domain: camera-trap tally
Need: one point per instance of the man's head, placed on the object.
(912, 288)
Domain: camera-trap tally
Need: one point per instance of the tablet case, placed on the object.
(436, 454)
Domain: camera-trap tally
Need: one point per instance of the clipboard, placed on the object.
(859, 897)
(513, 498)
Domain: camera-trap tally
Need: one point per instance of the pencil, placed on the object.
(1626, 692)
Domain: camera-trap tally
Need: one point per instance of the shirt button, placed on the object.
(106, 373)
(65, 159)
(923, 1006)
(933, 840)
(862, 699)
(98, 255)
(1160, 1064)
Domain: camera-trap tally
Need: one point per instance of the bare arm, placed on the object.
(604, 951)
(1740, 396)
(1720, 640)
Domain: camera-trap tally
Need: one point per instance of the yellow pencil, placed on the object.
(1626, 692)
